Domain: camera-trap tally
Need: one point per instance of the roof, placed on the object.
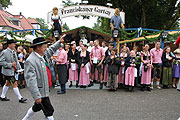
(33, 21)
(105, 33)
(91, 34)
(5, 20)
(25, 24)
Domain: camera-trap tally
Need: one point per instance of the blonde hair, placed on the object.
(55, 8)
(20, 48)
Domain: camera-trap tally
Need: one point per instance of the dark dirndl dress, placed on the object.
(57, 27)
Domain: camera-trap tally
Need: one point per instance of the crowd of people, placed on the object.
(85, 66)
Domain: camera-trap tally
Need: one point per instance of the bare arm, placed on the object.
(122, 26)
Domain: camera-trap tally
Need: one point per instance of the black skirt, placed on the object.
(62, 73)
(57, 27)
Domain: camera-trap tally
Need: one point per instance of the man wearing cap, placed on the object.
(36, 76)
(10, 65)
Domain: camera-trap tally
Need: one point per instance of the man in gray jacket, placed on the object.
(36, 76)
(10, 65)
(2, 82)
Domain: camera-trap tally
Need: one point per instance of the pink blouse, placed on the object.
(62, 57)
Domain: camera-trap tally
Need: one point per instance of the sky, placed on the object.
(40, 8)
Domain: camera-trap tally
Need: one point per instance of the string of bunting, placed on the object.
(37, 33)
(129, 36)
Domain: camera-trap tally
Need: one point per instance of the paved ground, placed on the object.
(100, 105)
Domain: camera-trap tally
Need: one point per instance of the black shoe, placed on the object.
(4, 99)
(70, 85)
(91, 84)
(20, 87)
(142, 89)
(77, 85)
(22, 100)
(148, 88)
(105, 83)
(131, 89)
(59, 92)
(23, 86)
(81, 86)
(101, 86)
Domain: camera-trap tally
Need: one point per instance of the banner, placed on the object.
(89, 10)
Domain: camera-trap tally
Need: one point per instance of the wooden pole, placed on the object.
(118, 45)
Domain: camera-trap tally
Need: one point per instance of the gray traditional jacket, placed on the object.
(35, 72)
(7, 57)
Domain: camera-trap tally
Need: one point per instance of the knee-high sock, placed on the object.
(157, 83)
(16, 91)
(50, 118)
(5, 89)
(29, 114)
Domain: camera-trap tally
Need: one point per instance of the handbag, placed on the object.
(145, 67)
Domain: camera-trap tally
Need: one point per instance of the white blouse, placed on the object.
(57, 17)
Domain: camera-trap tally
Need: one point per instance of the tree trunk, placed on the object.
(143, 15)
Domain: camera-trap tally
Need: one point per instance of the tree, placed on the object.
(69, 3)
(155, 14)
(5, 3)
(65, 27)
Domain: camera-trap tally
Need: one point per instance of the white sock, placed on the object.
(151, 83)
(16, 91)
(157, 83)
(5, 89)
(29, 114)
(50, 118)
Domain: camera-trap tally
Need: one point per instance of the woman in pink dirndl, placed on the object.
(146, 59)
(83, 60)
(123, 55)
(130, 71)
(73, 64)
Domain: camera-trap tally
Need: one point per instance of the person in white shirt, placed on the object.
(104, 46)
(79, 48)
(91, 46)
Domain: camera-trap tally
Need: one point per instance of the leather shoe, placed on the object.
(101, 86)
(59, 92)
(22, 100)
(4, 99)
